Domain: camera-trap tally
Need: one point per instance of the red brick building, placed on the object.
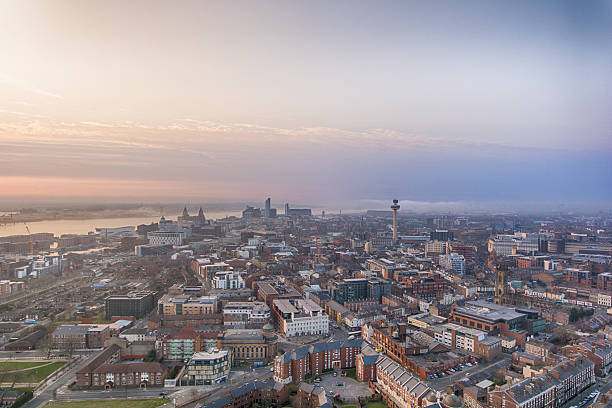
(257, 392)
(294, 366)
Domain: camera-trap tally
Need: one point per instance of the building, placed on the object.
(206, 368)
(297, 212)
(467, 251)
(248, 344)
(242, 315)
(599, 354)
(398, 387)
(135, 305)
(435, 248)
(166, 237)
(252, 393)
(268, 208)
(139, 374)
(537, 392)
(182, 345)
(227, 280)
(441, 235)
(301, 317)
(136, 334)
(604, 281)
(453, 262)
(153, 250)
(349, 289)
(106, 371)
(187, 305)
(423, 286)
(573, 376)
(472, 340)
(83, 336)
(365, 365)
(541, 349)
(313, 359)
(489, 317)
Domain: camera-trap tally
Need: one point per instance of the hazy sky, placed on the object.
(308, 101)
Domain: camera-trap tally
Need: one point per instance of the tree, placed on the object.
(562, 335)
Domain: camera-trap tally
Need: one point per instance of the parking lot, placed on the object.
(441, 381)
(350, 389)
(465, 367)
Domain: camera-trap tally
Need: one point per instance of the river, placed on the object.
(59, 227)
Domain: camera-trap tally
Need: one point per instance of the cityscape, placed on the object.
(348, 204)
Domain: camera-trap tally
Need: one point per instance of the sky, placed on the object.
(312, 102)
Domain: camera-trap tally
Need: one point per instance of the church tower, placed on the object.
(201, 217)
(501, 284)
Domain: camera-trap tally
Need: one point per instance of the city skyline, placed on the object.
(311, 102)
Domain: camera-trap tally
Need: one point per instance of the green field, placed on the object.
(376, 405)
(130, 403)
(19, 365)
(34, 375)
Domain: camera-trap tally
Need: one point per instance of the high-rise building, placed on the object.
(268, 207)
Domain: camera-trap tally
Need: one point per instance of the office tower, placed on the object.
(267, 207)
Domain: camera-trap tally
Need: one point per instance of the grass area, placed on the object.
(129, 403)
(376, 404)
(35, 375)
(19, 365)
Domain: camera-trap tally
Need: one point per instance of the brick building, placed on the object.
(257, 392)
(294, 366)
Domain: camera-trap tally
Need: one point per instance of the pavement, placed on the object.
(350, 389)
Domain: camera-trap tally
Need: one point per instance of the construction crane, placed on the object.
(31, 240)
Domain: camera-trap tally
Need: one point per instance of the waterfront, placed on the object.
(59, 227)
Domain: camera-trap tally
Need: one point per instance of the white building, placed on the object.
(227, 280)
(520, 242)
(464, 337)
(166, 237)
(603, 299)
(301, 317)
(453, 262)
(245, 314)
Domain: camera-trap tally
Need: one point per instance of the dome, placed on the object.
(432, 397)
(452, 401)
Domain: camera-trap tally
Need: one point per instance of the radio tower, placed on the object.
(395, 207)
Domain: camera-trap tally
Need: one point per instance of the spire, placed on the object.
(185, 213)
(201, 212)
